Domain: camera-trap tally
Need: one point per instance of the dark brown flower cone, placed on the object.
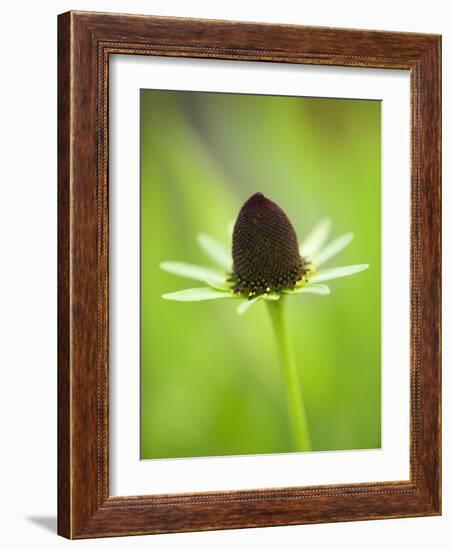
(265, 248)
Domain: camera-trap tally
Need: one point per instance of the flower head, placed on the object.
(266, 254)
(266, 261)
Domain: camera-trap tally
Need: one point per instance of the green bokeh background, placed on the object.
(211, 383)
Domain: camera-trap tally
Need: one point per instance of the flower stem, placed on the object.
(299, 424)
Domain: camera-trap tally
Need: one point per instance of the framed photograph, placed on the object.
(249, 275)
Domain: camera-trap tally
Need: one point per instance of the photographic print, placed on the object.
(249, 275)
(260, 274)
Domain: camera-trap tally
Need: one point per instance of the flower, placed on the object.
(267, 263)
(266, 260)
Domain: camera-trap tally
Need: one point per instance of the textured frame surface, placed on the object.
(85, 42)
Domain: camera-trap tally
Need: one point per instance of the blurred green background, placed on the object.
(211, 383)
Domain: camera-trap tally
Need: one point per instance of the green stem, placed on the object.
(299, 424)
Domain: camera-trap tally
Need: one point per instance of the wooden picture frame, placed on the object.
(86, 41)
